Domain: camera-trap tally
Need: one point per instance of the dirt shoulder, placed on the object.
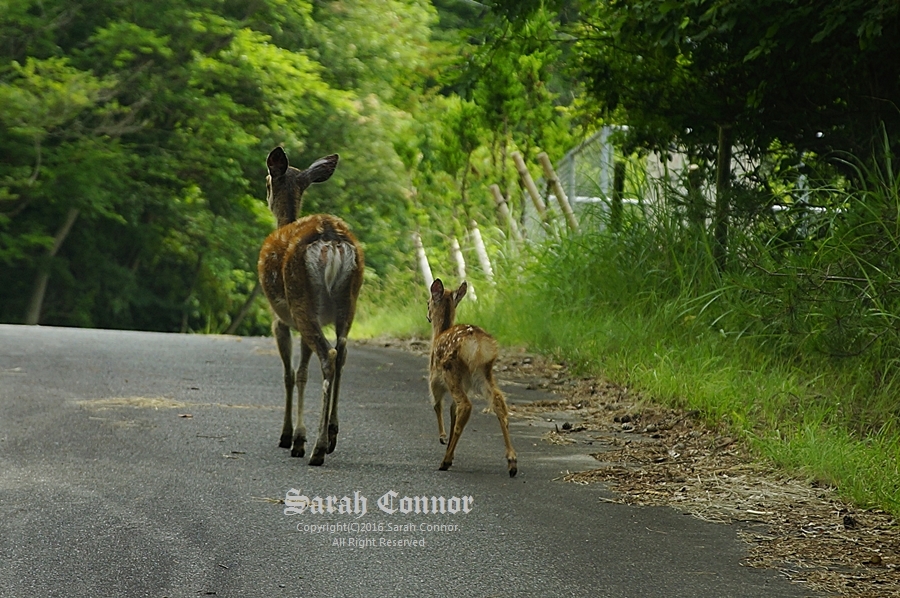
(653, 455)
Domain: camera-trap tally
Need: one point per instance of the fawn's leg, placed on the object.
(459, 416)
(283, 339)
(298, 449)
(437, 401)
(452, 417)
(498, 402)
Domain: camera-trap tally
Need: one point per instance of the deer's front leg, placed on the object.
(437, 401)
(283, 339)
(298, 449)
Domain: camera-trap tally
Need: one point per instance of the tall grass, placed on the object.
(795, 345)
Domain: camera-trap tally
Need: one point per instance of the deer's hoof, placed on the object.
(443, 439)
(332, 438)
(445, 465)
(298, 451)
(317, 459)
(285, 441)
(513, 469)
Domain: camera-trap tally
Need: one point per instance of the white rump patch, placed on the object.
(331, 263)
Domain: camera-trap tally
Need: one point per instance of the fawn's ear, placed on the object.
(277, 162)
(437, 290)
(460, 293)
(322, 169)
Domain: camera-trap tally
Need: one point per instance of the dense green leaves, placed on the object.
(809, 74)
(133, 139)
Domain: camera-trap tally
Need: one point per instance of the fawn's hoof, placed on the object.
(513, 469)
(318, 458)
(443, 439)
(332, 438)
(445, 465)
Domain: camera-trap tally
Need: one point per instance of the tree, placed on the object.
(151, 122)
(810, 75)
(807, 77)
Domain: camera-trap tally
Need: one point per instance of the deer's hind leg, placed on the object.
(498, 403)
(327, 358)
(343, 321)
(459, 413)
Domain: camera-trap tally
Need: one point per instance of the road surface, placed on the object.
(142, 464)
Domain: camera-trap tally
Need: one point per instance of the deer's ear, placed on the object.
(322, 169)
(437, 290)
(460, 293)
(277, 162)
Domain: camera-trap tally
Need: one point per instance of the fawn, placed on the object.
(311, 271)
(461, 356)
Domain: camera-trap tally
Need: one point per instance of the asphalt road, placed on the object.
(108, 489)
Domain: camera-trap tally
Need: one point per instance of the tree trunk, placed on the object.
(723, 196)
(186, 306)
(696, 206)
(232, 328)
(615, 208)
(33, 315)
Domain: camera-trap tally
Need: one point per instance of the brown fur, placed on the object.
(311, 271)
(461, 357)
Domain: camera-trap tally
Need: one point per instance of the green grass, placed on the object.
(805, 418)
(394, 306)
(809, 418)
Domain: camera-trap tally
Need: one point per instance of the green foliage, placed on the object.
(388, 45)
(153, 121)
(809, 75)
(510, 96)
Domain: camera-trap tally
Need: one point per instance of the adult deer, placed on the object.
(311, 271)
(462, 356)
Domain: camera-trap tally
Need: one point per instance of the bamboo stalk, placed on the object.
(481, 251)
(539, 204)
(461, 265)
(503, 208)
(422, 260)
(558, 191)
